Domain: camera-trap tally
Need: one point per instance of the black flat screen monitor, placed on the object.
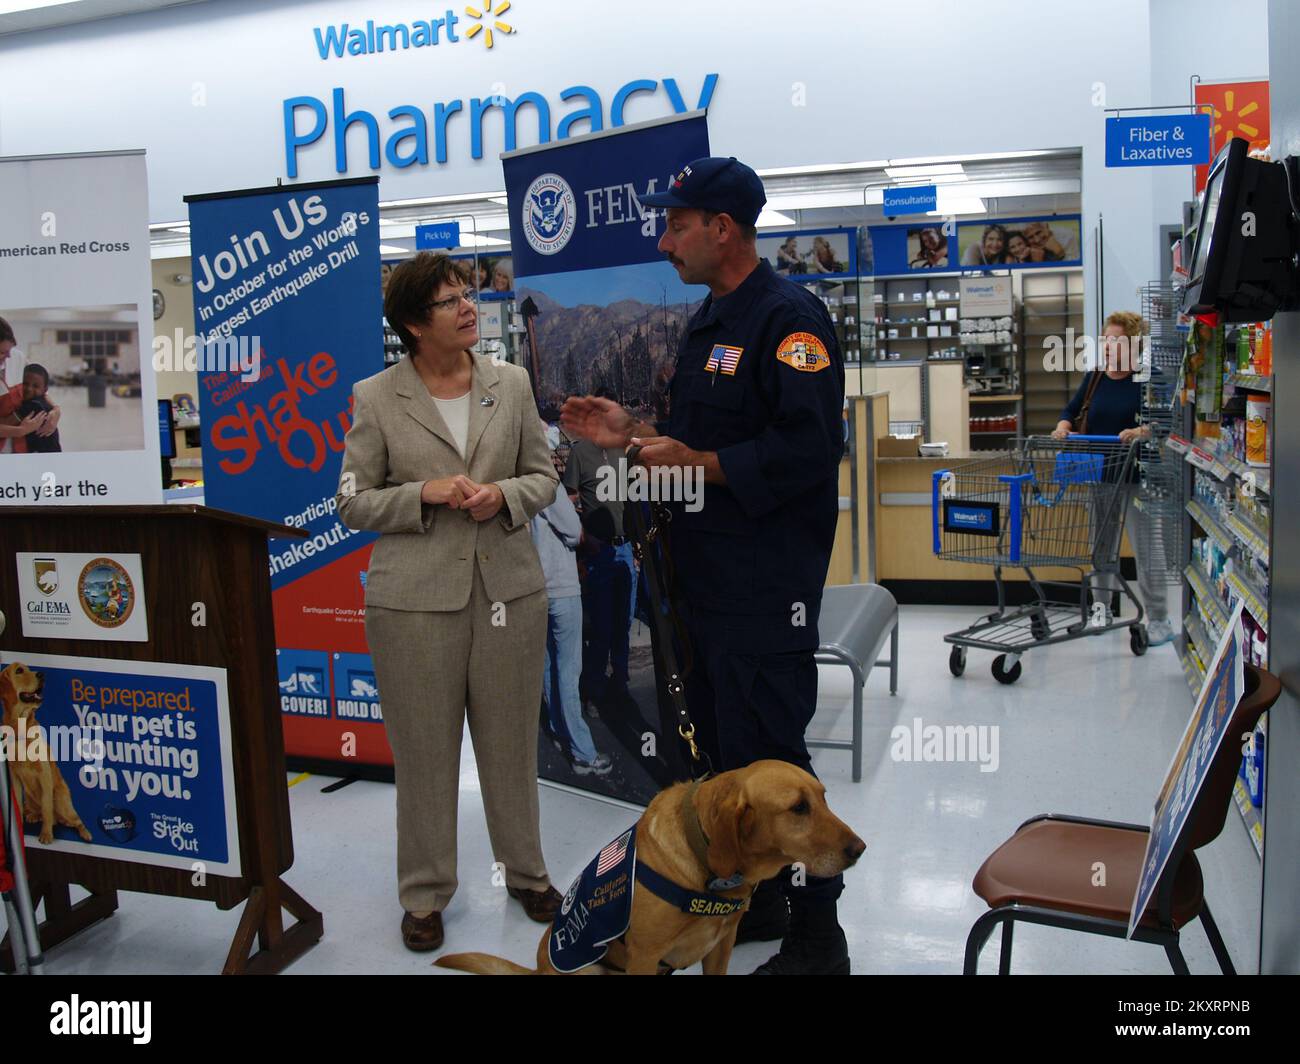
(1241, 265)
(166, 429)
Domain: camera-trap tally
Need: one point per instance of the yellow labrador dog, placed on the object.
(699, 851)
(45, 795)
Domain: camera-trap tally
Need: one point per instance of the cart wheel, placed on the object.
(1001, 673)
(1138, 640)
(1038, 627)
(957, 661)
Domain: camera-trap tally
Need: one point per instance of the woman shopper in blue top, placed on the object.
(1107, 404)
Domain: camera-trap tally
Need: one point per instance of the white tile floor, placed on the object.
(1088, 729)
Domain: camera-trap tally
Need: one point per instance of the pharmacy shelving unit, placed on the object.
(1239, 530)
(1051, 304)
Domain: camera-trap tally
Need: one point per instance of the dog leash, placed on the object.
(650, 545)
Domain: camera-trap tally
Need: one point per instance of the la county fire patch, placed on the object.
(597, 907)
(804, 351)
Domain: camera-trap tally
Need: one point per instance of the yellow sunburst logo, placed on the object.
(489, 12)
(1230, 114)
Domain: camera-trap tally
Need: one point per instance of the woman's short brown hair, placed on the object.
(412, 287)
(1132, 323)
(7, 332)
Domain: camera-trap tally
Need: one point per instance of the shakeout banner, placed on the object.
(75, 288)
(138, 754)
(603, 309)
(289, 315)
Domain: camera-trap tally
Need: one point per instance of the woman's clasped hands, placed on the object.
(482, 501)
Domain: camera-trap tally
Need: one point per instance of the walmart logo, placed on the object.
(347, 38)
(497, 24)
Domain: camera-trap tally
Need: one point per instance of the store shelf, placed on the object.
(1208, 601)
(1202, 516)
(1192, 673)
(1257, 475)
(1013, 397)
(1256, 601)
(1250, 815)
(1200, 638)
(1249, 535)
(1249, 382)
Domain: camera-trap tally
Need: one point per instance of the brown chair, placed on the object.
(1043, 874)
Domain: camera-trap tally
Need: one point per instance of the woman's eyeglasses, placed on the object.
(452, 302)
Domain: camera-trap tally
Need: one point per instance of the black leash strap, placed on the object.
(651, 548)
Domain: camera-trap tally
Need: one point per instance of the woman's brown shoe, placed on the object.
(422, 933)
(540, 905)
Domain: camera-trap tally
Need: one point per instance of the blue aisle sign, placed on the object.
(441, 235)
(1158, 140)
(915, 199)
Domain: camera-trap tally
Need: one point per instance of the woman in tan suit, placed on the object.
(447, 460)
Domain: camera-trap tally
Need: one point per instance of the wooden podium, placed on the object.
(189, 554)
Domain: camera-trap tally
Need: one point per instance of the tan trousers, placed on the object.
(434, 670)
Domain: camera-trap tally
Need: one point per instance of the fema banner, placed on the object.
(138, 754)
(75, 289)
(603, 311)
(288, 315)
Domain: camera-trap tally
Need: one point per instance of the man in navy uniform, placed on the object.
(755, 403)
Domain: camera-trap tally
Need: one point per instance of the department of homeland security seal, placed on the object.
(550, 214)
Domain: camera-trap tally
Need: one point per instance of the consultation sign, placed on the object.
(912, 199)
(1158, 140)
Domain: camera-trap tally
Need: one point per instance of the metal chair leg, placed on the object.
(858, 682)
(1216, 942)
(1004, 962)
(979, 934)
(1176, 959)
(893, 660)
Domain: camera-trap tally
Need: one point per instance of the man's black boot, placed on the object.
(815, 944)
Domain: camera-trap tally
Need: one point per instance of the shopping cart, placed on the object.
(1046, 502)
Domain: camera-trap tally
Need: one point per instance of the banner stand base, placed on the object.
(279, 947)
(261, 921)
(62, 918)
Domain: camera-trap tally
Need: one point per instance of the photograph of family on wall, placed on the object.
(809, 254)
(1019, 242)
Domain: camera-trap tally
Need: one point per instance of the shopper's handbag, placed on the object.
(1081, 422)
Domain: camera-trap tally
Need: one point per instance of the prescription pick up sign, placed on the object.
(125, 760)
(1158, 140)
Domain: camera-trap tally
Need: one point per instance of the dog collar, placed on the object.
(691, 902)
(699, 842)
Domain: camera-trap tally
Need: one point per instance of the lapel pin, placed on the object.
(487, 400)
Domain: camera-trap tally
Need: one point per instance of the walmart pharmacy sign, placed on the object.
(415, 135)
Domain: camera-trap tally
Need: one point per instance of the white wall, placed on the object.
(1216, 42)
(201, 87)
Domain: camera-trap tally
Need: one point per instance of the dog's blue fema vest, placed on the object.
(598, 905)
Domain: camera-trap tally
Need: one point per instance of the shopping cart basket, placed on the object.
(1046, 502)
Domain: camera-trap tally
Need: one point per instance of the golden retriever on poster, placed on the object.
(45, 796)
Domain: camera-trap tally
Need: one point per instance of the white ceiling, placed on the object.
(23, 16)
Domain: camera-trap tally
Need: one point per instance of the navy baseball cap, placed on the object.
(714, 184)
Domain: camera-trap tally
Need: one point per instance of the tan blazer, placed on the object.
(423, 560)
